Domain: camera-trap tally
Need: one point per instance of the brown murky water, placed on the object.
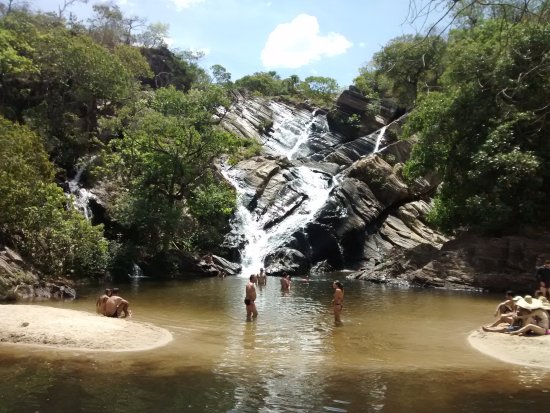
(398, 351)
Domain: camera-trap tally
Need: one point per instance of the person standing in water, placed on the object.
(250, 297)
(285, 282)
(262, 279)
(338, 302)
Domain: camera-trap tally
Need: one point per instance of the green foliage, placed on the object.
(155, 35)
(263, 83)
(34, 216)
(409, 65)
(221, 75)
(485, 133)
(133, 61)
(212, 203)
(320, 89)
(168, 145)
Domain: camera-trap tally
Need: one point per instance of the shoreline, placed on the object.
(530, 351)
(72, 330)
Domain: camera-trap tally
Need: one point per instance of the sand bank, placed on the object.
(531, 351)
(76, 330)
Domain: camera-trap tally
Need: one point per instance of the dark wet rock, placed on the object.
(321, 267)
(14, 271)
(175, 264)
(466, 262)
(46, 290)
(286, 259)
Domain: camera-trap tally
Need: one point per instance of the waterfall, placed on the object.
(290, 132)
(81, 196)
(137, 272)
(379, 138)
(259, 241)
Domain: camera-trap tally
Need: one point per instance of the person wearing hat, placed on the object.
(512, 321)
(538, 321)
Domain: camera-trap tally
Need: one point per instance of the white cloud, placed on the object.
(185, 4)
(298, 43)
(362, 44)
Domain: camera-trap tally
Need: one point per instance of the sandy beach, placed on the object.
(533, 351)
(76, 330)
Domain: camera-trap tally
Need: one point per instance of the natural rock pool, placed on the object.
(400, 350)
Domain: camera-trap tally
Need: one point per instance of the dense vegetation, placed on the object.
(481, 109)
(142, 117)
(145, 119)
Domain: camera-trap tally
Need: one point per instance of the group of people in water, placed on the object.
(260, 280)
(110, 304)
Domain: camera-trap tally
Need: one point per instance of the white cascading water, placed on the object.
(289, 133)
(379, 138)
(81, 196)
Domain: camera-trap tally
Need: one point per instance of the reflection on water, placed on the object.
(398, 351)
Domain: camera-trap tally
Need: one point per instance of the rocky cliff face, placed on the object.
(19, 281)
(466, 262)
(372, 221)
(370, 209)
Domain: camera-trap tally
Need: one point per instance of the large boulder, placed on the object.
(467, 262)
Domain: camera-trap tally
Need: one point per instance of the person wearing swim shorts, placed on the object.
(338, 302)
(250, 298)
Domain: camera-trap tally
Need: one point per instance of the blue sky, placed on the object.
(331, 38)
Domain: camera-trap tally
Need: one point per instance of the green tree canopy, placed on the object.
(163, 159)
(485, 132)
(36, 216)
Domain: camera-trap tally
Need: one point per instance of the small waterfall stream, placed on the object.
(81, 196)
(379, 138)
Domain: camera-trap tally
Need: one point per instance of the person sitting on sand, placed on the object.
(538, 321)
(115, 306)
(100, 303)
(507, 306)
(512, 321)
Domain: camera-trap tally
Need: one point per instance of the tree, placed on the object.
(164, 158)
(35, 215)
(320, 89)
(406, 66)
(485, 132)
(155, 35)
(221, 75)
(263, 83)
